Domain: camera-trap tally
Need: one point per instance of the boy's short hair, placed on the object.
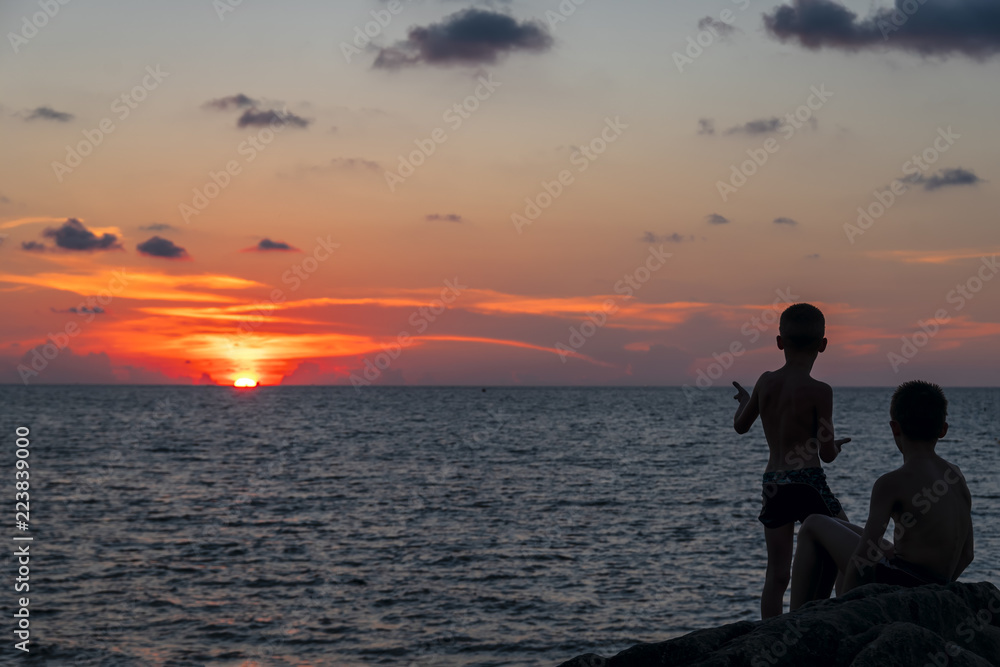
(802, 325)
(920, 409)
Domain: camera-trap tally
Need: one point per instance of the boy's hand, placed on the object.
(840, 443)
(742, 395)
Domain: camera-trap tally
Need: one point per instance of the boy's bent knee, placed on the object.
(810, 523)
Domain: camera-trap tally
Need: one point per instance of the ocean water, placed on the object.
(413, 526)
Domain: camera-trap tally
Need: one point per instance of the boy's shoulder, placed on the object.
(800, 382)
(901, 479)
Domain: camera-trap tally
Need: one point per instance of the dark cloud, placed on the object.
(785, 221)
(715, 25)
(237, 101)
(762, 126)
(930, 27)
(340, 164)
(468, 37)
(815, 255)
(706, 126)
(945, 178)
(82, 310)
(716, 219)
(157, 227)
(266, 117)
(74, 236)
(33, 246)
(353, 163)
(267, 245)
(450, 217)
(650, 237)
(161, 247)
(48, 113)
(4, 200)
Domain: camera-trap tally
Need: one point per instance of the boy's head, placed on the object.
(802, 328)
(920, 410)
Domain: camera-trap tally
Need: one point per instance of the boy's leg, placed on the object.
(825, 546)
(839, 583)
(780, 542)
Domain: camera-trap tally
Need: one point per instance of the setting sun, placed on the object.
(245, 382)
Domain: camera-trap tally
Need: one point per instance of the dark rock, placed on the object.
(874, 626)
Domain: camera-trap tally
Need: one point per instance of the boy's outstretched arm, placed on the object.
(861, 568)
(749, 408)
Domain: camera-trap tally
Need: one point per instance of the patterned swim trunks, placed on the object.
(792, 495)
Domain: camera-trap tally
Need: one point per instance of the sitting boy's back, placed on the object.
(927, 497)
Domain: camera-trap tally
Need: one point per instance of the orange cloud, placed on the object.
(931, 257)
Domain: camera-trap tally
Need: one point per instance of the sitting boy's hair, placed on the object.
(802, 325)
(920, 409)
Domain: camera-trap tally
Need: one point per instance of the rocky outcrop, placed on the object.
(957, 625)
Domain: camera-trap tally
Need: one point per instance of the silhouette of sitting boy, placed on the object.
(927, 499)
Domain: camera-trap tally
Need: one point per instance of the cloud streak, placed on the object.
(266, 117)
(754, 127)
(468, 37)
(161, 247)
(650, 237)
(73, 235)
(267, 245)
(969, 28)
(945, 178)
(237, 101)
(48, 113)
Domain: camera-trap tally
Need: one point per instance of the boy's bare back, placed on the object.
(793, 406)
(931, 506)
(796, 412)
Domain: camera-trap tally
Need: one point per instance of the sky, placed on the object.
(447, 192)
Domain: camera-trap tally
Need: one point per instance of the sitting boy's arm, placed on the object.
(749, 409)
(968, 553)
(861, 568)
